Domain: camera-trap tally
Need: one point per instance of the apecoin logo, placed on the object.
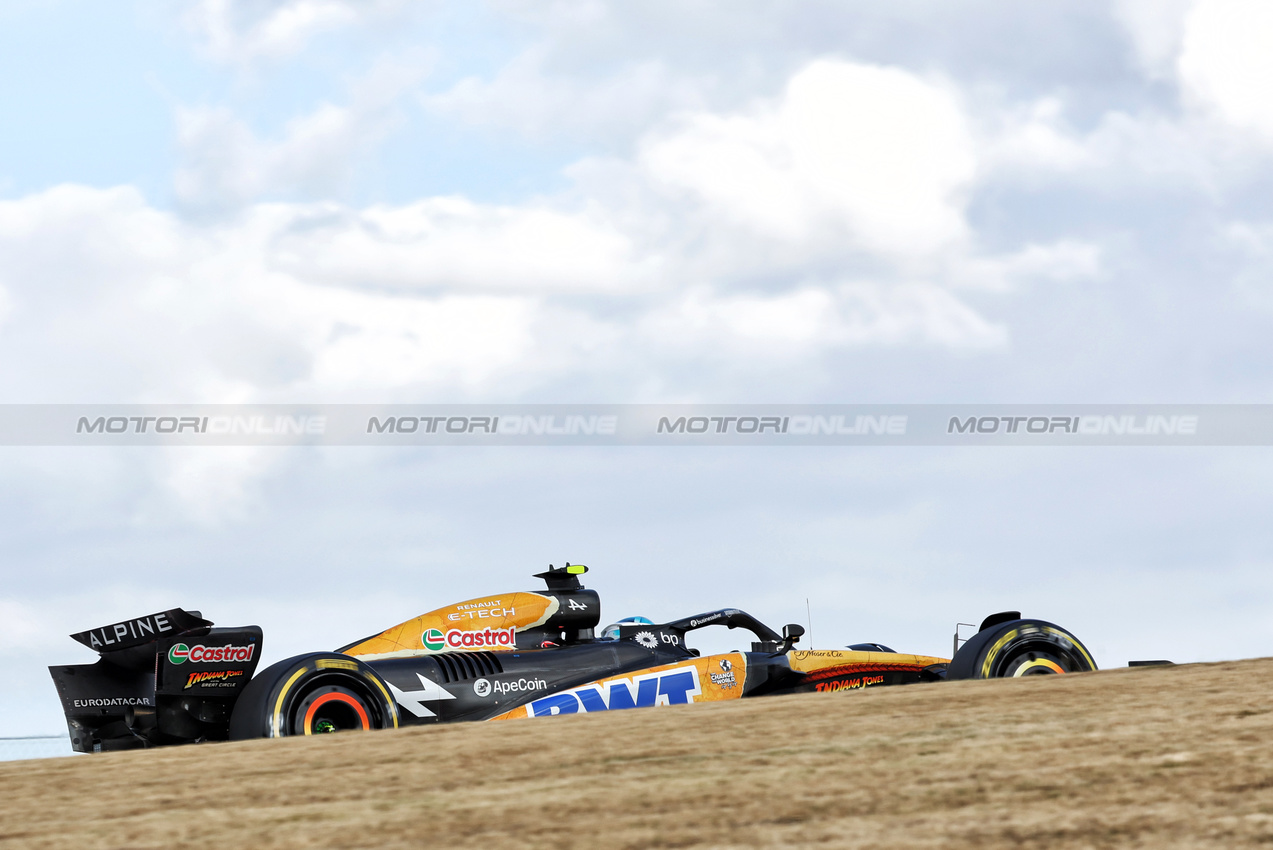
(485, 687)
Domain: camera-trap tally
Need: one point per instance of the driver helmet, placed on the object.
(611, 632)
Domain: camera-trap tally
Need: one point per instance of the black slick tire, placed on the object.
(1020, 648)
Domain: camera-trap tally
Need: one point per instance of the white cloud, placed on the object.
(915, 314)
(795, 325)
(1227, 60)
(1036, 145)
(242, 31)
(224, 164)
(138, 306)
(1036, 136)
(121, 302)
(1067, 259)
(1219, 53)
(388, 343)
(453, 243)
(1157, 29)
(227, 165)
(532, 100)
(874, 155)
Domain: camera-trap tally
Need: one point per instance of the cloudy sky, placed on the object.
(695, 201)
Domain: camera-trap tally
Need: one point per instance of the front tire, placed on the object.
(1020, 648)
(313, 694)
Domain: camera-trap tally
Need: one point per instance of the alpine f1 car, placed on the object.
(171, 678)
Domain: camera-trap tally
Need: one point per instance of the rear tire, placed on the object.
(1020, 648)
(312, 695)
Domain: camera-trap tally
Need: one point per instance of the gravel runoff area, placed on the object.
(1147, 757)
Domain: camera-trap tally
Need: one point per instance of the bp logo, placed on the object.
(482, 687)
(433, 639)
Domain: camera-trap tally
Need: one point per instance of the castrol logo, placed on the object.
(463, 639)
(435, 640)
(200, 654)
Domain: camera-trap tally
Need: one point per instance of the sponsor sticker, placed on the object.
(650, 638)
(110, 702)
(428, 632)
(486, 609)
(669, 687)
(802, 654)
(698, 621)
(434, 639)
(130, 631)
(725, 678)
(849, 684)
(200, 654)
(697, 680)
(485, 687)
(213, 679)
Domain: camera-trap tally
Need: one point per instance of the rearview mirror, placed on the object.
(791, 633)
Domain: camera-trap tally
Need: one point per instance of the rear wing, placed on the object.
(166, 677)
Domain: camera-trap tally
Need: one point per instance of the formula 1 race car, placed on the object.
(171, 678)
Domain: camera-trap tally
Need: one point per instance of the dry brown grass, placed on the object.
(1159, 757)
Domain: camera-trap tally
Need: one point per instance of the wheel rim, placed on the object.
(1047, 660)
(1038, 665)
(332, 709)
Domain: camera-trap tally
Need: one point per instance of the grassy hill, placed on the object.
(1152, 757)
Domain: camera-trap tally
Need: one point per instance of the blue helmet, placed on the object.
(611, 632)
